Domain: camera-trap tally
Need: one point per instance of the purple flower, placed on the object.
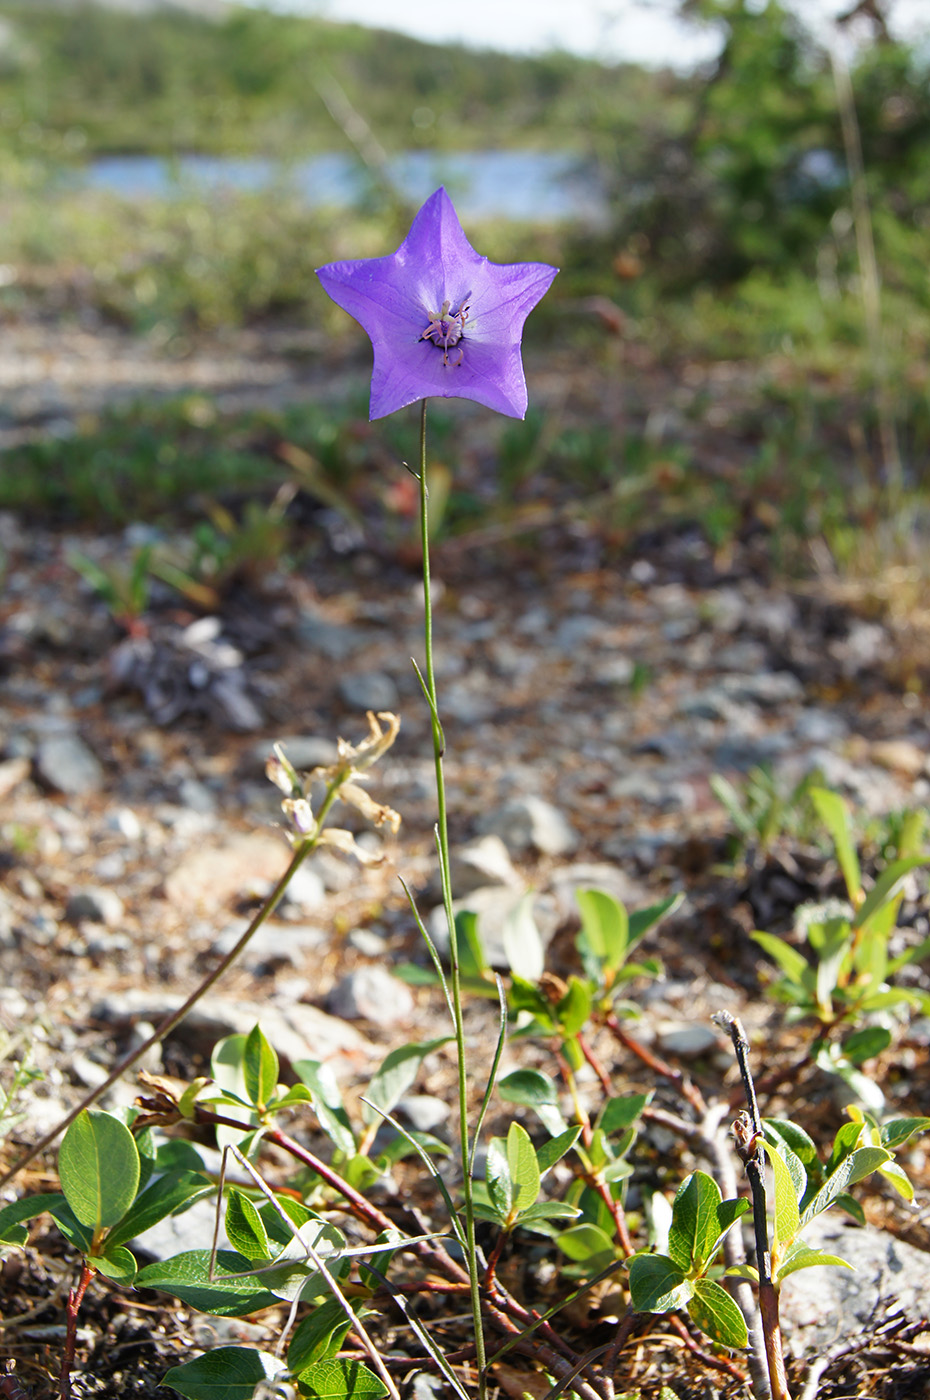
(443, 321)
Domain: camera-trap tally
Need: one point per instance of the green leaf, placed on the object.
(115, 1262)
(340, 1380)
(78, 1235)
(225, 1373)
(898, 1178)
(787, 1213)
(834, 814)
(498, 1178)
(187, 1276)
(657, 1285)
(619, 1113)
(886, 887)
(801, 1256)
(245, 1229)
(259, 1068)
(605, 926)
(574, 1008)
(167, 1195)
(327, 1103)
(395, 1076)
(585, 1242)
(529, 1087)
(853, 1168)
(866, 1043)
(524, 1169)
(523, 946)
(791, 962)
(694, 1221)
(555, 1149)
(12, 1217)
(547, 1210)
(803, 1147)
(99, 1168)
(318, 1337)
(642, 920)
(895, 1133)
(227, 1068)
(715, 1312)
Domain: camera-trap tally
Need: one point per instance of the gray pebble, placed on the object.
(372, 994)
(65, 763)
(530, 823)
(369, 690)
(97, 906)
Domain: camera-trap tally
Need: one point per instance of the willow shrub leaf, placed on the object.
(866, 1043)
(657, 1285)
(555, 1149)
(605, 926)
(897, 1132)
(799, 1255)
(801, 1144)
(584, 1243)
(245, 1228)
(547, 1210)
(642, 920)
(574, 1008)
(886, 888)
(396, 1075)
(339, 1380)
(833, 812)
(853, 1168)
(792, 963)
(787, 1211)
(621, 1113)
(533, 1089)
(259, 1068)
(99, 1168)
(523, 945)
(115, 1262)
(225, 1373)
(187, 1276)
(327, 1103)
(700, 1219)
(167, 1195)
(524, 1168)
(715, 1312)
(498, 1178)
(318, 1337)
(13, 1217)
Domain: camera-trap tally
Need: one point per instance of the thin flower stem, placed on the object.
(455, 979)
(301, 851)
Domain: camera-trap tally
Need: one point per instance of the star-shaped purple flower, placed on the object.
(443, 321)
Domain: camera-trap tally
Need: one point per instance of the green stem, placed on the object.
(455, 980)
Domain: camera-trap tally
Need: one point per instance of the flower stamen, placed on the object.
(447, 327)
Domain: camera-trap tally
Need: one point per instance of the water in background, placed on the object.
(534, 186)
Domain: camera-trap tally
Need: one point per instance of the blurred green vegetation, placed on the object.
(736, 237)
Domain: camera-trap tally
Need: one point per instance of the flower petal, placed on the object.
(435, 269)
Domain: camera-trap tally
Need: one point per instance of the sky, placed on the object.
(640, 31)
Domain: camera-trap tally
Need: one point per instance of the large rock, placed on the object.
(531, 824)
(822, 1306)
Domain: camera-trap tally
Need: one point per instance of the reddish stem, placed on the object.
(75, 1299)
(681, 1081)
(719, 1363)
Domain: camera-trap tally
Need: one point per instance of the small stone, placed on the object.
(530, 823)
(305, 891)
(596, 875)
(495, 906)
(686, 1040)
(424, 1112)
(368, 943)
(334, 641)
(12, 772)
(900, 756)
(271, 945)
(197, 796)
(372, 994)
(485, 861)
(66, 764)
(96, 906)
(369, 690)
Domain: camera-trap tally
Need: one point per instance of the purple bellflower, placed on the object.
(443, 321)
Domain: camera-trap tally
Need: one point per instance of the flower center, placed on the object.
(447, 327)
